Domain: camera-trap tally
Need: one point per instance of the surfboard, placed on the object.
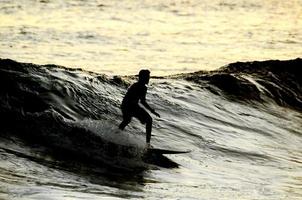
(167, 151)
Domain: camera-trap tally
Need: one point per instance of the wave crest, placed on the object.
(278, 80)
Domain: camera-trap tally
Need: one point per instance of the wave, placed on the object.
(71, 111)
(76, 112)
(260, 81)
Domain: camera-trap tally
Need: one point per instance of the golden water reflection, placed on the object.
(168, 37)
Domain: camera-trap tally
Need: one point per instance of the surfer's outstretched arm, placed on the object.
(146, 105)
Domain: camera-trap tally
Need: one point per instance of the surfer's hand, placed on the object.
(155, 113)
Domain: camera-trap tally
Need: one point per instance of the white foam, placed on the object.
(110, 132)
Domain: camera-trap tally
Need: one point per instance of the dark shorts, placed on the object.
(136, 111)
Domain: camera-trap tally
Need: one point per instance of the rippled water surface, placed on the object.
(119, 37)
(58, 130)
(59, 136)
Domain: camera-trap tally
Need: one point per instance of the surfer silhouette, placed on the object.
(130, 105)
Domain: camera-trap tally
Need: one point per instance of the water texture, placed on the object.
(59, 136)
(242, 122)
(168, 36)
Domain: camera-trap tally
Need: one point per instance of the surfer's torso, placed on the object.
(136, 92)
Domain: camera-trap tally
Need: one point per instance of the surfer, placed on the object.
(130, 106)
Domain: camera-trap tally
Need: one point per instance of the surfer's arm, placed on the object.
(146, 105)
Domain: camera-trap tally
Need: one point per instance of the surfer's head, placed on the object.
(144, 76)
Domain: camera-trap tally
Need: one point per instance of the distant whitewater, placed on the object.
(59, 136)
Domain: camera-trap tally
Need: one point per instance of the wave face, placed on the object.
(242, 122)
(275, 80)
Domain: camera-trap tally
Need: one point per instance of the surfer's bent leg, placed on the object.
(144, 117)
(148, 130)
(124, 123)
(126, 119)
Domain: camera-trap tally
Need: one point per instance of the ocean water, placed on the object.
(66, 65)
(59, 137)
(167, 36)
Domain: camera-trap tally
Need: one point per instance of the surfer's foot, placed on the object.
(148, 146)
